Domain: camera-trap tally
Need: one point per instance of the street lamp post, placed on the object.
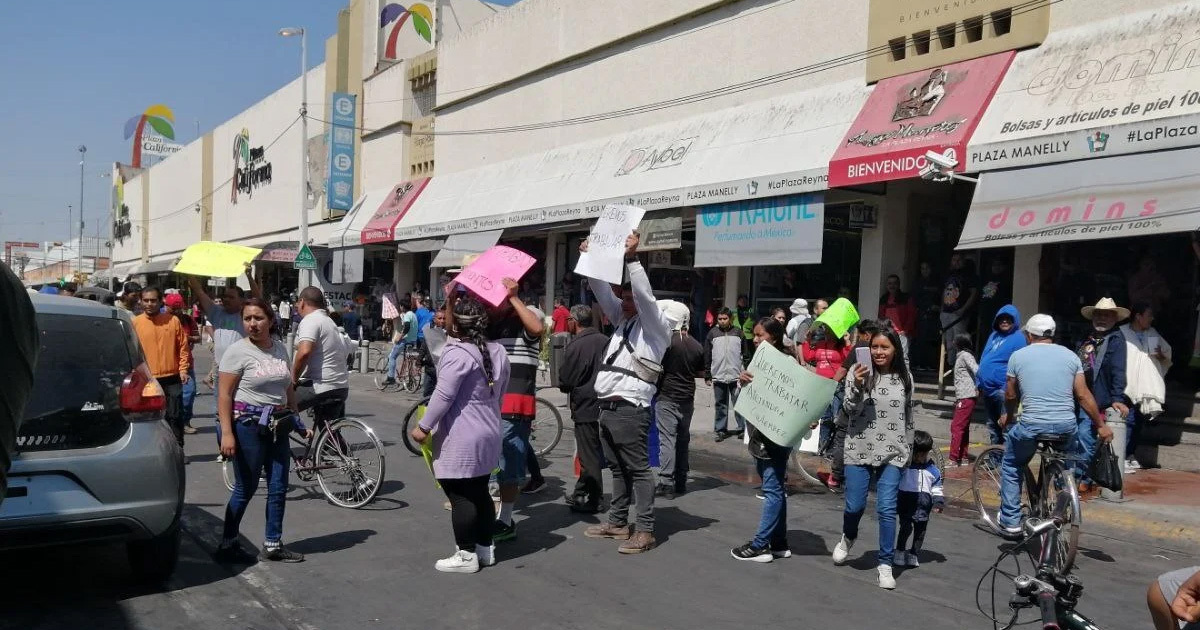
(62, 251)
(82, 153)
(305, 276)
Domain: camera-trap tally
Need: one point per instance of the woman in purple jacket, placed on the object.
(463, 418)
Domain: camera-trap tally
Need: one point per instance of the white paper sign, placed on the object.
(604, 259)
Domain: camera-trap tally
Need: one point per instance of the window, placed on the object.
(921, 42)
(1001, 22)
(897, 46)
(973, 29)
(945, 35)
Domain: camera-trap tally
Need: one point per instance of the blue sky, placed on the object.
(75, 70)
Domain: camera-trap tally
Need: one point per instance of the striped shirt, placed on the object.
(524, 351)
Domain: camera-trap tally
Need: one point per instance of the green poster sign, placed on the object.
(305, 259)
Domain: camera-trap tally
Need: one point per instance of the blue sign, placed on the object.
(340, 186)
(766, 231)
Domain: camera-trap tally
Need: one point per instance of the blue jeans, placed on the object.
(189, 397)
(887, 487)
(397, 350)
(993, 403)
(772, 528)
(253, 457)
(514, 451)
(1085, 446)
(1019, 448)
(724, 398)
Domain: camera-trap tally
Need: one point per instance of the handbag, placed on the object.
(1106, 468)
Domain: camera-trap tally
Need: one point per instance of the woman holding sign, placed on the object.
(771, 460)
(878, 405)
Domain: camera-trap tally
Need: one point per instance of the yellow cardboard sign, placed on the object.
(427, 447)
(840, 317)
(218, 260)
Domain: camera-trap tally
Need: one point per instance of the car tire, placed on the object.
(153, 561)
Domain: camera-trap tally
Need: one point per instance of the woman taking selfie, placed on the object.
(255, 379)
(877, 446)
(463, 417)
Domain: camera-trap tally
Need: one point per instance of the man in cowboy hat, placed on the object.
(1103, 355)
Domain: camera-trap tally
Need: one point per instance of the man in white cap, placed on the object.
(1103, 353)
(682, 364)
(1045, 380)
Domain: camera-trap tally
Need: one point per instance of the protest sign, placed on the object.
(604, 259)
(784, 399)
(220, 260)
(841, 316)
(389, 310)
(484, 276)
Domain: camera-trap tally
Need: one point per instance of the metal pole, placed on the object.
(305, 276)
(62, 252)
(82, 154)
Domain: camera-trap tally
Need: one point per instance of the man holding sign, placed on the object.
(625, 384)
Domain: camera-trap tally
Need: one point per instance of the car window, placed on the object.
(76, 384)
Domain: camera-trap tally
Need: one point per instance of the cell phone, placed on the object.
(862, 356)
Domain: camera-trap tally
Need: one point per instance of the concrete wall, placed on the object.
(383, 160)
(131, 249)
(385, 95)
(735, 42)
(175, 196)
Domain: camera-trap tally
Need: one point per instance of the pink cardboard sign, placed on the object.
(485, 276)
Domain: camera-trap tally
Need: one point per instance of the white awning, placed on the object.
(768, 148)
(423, 245)
(1117, 86)
(155, 267)
(458, 246)
(1132, 195)
(347, 232)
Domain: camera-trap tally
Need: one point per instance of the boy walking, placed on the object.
(920, 493)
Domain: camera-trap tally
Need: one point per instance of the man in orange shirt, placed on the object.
(168, 353)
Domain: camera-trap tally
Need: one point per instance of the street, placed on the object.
(374, 567)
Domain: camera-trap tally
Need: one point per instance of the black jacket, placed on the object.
(682, 365)
(577, 374)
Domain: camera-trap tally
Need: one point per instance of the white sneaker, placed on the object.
(885, 577)
(460, 562)
(911, 560)
(842, 550)
(1131, 466)
(487, 555)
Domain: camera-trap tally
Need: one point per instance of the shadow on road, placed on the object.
(669, 521)
(806, 543)
(337, 541)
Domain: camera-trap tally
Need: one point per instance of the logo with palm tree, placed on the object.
(161, 120)
(250, 168)
(395, 14)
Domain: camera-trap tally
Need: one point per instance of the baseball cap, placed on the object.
(173, 300)
(1040, 325)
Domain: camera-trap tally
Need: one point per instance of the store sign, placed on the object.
(666, 155)
(665, 233)
(347, 265)
(772, 231)
(381, 227)
(1126, 85)
(907, 116)
(251, 169)
(1134, 195)
(340, 187)
(862, 216)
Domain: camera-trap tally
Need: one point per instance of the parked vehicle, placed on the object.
(95, 461)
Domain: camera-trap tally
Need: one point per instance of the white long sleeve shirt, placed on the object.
(649, 333)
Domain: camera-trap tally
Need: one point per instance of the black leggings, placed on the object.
(471, 511)
(917, 529)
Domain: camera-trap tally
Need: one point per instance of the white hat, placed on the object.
(676, 313)
(800, 307)
(1105, 304)
(1040, 325)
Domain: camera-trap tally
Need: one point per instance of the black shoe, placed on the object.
(502, 532)
(234, 554)
(781, 552)
(720, 436)
(680, 489)
(534, 486)
(751, 553)
(280, 554)
(666, 492)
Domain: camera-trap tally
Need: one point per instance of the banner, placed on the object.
(660, 234)
(222, 260)
(341, 152)
(347, 265)
(771, 231)
(785, 400)
(841, 316)
(484, 277)
(605, 257)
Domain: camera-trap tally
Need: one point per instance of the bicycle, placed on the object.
(346, 447)
(409, 372)
(1050, 491)
(824, 453)
(1051, 590)
(547, 421)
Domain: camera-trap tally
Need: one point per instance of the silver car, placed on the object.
(95, 461)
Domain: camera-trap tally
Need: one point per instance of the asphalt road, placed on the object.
(374, 567)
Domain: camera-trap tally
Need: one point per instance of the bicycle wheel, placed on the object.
(411, 381)
(547, 428)
(227, 472)
(410, 420)
(381, 376)
(797, 466)
(985, 485)
(1060, 499)
(350, 463)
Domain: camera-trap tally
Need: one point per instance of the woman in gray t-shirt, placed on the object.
(879, 412)
(256, 378)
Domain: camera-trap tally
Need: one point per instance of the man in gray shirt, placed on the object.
(320, 357)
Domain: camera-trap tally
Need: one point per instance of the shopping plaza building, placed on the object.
(777, 146)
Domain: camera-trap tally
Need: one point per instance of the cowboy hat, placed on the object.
(1105, 304)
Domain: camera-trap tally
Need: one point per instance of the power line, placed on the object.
(822, 66)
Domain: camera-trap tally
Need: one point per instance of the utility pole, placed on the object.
(305, 276)
(82, 153)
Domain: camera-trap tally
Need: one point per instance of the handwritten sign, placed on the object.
(220, 260)
(841, 316)
(604, 259)
(484, 276)
(784, 399)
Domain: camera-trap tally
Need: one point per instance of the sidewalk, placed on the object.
(1160, 505)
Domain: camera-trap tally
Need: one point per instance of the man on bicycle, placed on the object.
(1045, 380)
(320, 357)
(404, 336)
